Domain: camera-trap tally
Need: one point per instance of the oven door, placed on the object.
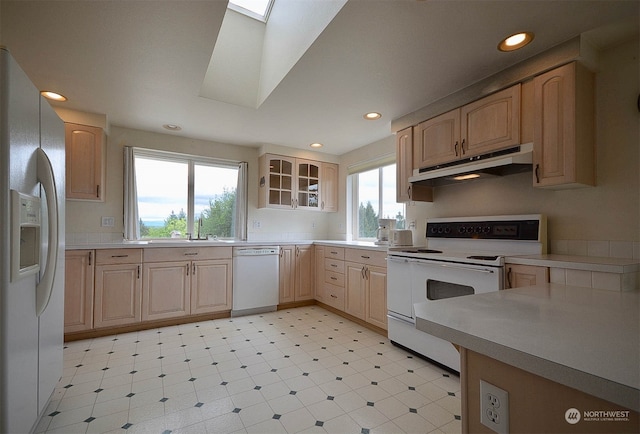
(433, 280)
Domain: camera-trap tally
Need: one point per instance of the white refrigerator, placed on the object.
(32, 171)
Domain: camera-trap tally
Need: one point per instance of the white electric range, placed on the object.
(463, 256)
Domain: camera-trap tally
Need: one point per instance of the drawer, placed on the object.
(334, 296)
(334, 265)
(369, 257)
(334, 278)
(118, 256)
(164, 254)
(334, 252)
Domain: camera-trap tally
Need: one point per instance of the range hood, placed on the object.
(500, 163)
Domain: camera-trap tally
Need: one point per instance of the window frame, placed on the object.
(353, 199)
(191, 160)
(251, 14)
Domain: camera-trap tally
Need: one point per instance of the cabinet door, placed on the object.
(563, 127)
(518, 276)
(377, 296)
(166, 292)
(437, 140)
(329, 187)
(278, 181)
(308, 176)
(304, 273)
(319, 273)
(355, 294)
(210, 286)
(491, 123)
(84, 149)
(405, 192)
(117, 298)
(78, 290)
(287, 274)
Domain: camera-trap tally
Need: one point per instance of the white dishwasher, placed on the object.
(255, 280)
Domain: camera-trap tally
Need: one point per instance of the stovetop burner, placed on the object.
(483, 257)
(421, 251)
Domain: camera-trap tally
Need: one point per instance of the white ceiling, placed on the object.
(142, 63)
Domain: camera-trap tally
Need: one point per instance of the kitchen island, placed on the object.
(552, 348)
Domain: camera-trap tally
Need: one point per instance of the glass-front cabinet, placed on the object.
(291, 183)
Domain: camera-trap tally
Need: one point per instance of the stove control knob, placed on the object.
(470, 229)
(486, 229)
(478, 229)
(462, 230)
(447, 230)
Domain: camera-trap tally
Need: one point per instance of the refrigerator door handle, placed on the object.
(46, 178)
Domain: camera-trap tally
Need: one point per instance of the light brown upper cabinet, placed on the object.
(563, 133)
(85, 162)
(483, 126)
(405, 191)
(292, 183)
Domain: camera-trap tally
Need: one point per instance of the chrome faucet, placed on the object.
(199, 226)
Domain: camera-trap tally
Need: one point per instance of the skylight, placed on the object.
(257, 9)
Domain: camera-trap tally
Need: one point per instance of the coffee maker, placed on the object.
(385, 228)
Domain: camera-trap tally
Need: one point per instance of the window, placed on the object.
(257, 9)
(180, 195)
(374, 197)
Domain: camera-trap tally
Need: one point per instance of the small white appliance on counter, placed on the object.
(463, 256)
(401, 238)
(32, 175)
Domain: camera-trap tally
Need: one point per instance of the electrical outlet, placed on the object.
(494, 407)
(257, 224)
(107, 222)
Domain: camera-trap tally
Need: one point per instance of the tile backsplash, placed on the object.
(603, 249)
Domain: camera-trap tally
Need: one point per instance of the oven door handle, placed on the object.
(454, 266)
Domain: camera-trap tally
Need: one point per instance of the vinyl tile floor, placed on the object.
(295, 370)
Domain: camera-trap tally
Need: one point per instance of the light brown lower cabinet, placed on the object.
(297, 279)
(78, 290)
(518, 275)
(366, 286)
(118, 287)
(166, 292)
(177, 285)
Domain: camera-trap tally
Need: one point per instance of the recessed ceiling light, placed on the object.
(316, 145)
(372, 116)
(53, 96)
(516, 41)
(172, 127)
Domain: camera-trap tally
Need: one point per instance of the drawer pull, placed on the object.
(119, 256)
(191, 254)
(334, 296)
(365, 257)
(333, 253)
(334, 265)
(334, 278)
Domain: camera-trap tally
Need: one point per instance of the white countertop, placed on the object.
(588, 263)
(220, 243)
(587, 339)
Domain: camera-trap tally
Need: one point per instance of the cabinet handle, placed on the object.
(90, 254)
(365, 257)
(333, 278)
(98, 190)
(119, 256)
(462, 146)
(509, 277)
(297, 251)
(366, 273)
(334, 296)
(334, 265)
(322, 205)
(409, 191)
(333, 253)
(455, 148)
(362, 273)
(191, 254)
(187, 269)
(138, 272)
(194, 269)
(537, 173)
